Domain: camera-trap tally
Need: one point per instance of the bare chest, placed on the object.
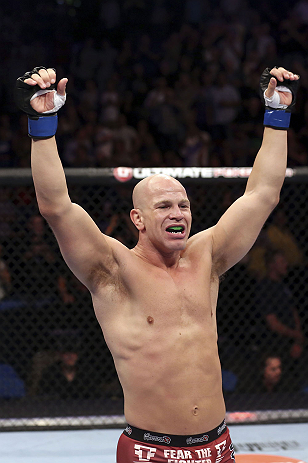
(185, 293)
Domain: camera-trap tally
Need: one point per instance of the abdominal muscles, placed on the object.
(171, 376)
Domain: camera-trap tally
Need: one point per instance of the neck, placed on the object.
(166, 260)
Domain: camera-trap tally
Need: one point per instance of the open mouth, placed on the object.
(176, 229)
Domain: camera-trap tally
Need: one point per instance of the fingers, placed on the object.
(271, 87)
(62, 86)
(44, 78)
(282, 73)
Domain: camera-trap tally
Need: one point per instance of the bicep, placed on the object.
(83, 246)
(238, 229)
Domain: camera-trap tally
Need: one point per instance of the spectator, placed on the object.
(255, 260)
(139, 85)
(127, 134)
(238, 148)
(155, 98)
(271, 378)
(89, 96)
(103, 145)
(41, 270)
(232, 47)
(185, 92)
(282, 240)
(85, 61)
(271, 375)
(169, 122)
(65, 379)
(107, 56)
(196, 146)
(110, 101)
(172, 52)
(125, 61)
(274, 301)
(79, 150)
(226, 103)
(120, 228)
(276, 238)
(69, 122)
(260, 40)
(147, 56)
(147, 144)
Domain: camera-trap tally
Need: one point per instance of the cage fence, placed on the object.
(55, 368)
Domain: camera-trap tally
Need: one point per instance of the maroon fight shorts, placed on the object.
(139, 446)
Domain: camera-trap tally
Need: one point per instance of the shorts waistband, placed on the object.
(174, 440)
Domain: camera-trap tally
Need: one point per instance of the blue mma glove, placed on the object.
(40, 125)
(277, 115)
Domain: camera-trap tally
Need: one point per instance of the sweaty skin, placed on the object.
(156, 303)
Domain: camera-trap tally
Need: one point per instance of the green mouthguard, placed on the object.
(175, 228)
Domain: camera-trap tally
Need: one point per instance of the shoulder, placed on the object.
(203, 238)
(200, 246)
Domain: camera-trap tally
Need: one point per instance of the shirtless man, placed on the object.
(156, 303)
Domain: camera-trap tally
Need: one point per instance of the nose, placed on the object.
(176, 213)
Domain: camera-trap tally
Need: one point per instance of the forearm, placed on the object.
(269, 168)
(49, 178)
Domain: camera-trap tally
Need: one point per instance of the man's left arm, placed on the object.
(239, 227)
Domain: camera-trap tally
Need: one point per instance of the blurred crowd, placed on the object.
(163, 83)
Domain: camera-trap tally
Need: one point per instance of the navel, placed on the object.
(195, 411)
(150, 320)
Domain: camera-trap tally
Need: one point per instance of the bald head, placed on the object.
(150, 185)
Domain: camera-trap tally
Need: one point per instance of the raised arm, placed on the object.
(238, 228)
(85, 249)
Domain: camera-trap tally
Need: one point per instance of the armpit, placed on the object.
(219, 269)
(102, 274)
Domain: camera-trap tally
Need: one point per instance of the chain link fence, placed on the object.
(55, 368)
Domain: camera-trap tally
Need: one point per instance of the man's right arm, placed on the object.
(85, 249)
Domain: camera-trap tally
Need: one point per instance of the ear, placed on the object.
(136, 218)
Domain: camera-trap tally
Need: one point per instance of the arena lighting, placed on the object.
(242, 417)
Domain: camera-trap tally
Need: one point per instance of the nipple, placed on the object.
(150, 320)
(195, 411)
